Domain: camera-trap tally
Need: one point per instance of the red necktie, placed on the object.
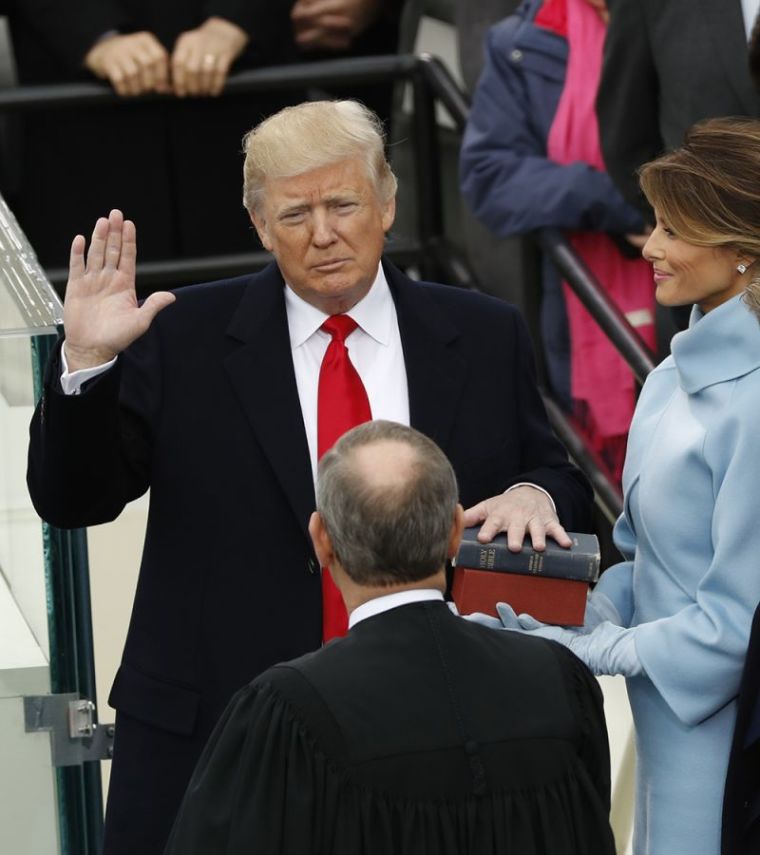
(342, 403)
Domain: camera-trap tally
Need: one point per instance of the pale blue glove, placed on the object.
(599, 608)
(605, 649)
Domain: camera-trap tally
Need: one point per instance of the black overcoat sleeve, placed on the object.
(90, 454)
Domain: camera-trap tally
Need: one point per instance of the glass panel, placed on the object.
(28, 303)
(43, 628)
(28, 792)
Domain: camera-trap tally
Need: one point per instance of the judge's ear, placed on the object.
(321, 540)
(457, 528)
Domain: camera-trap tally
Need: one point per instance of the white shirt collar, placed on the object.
(750, 10)
(391, 601)
(374, 313)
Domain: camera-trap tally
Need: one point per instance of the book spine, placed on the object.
(557, 565)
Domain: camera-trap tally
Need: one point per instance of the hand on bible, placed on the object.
(101, 315)
(520, 511)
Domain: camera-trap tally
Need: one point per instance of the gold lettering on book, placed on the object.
(536, 562)
(487, 558)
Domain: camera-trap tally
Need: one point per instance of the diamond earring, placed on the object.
(742, 268)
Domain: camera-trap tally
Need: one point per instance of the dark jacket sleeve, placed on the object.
(627, 103)
(506, 176)
(90, 454)
(544, 458)
(265, 21)
(69, 30)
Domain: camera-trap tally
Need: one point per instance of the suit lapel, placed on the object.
(435, 369)
(725, 23)
(262, 375)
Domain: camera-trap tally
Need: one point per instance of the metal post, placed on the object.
(72, 661)
(427, 173)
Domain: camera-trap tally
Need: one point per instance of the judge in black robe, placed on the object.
(419, 732)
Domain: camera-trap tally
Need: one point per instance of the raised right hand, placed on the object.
(101, 316)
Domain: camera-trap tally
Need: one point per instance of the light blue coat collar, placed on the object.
(717, 346)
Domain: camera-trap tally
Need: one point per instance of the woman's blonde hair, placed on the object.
(309, 136)
(708, 191)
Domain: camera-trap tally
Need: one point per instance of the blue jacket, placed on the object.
(509, 182)
(506, 176)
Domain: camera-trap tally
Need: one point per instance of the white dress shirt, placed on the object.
(374, 348)
(750, 8)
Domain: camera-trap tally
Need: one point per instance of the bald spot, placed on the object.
(384, 465)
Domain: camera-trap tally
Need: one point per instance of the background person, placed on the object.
(531, 159)
(667, 66)
(675, 615)
(174, 165)
(217, 409)
(419, 732)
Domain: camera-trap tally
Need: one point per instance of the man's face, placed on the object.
(326, 229)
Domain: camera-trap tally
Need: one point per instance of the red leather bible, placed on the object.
(555, 601)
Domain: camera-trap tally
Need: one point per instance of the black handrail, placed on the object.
(360, 71)
(627, 341)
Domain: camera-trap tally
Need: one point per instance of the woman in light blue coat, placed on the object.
(674, 616)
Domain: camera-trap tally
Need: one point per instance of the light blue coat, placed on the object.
(690, 534)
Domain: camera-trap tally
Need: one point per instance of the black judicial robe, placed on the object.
(418, 733)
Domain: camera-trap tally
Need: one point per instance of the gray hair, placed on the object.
(311, 135)
(386, 530)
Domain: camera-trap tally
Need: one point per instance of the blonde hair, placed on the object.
(309, 136)
(708, 191)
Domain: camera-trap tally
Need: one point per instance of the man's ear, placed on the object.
(389, 214)
(457, 528)
(321, 540)
(260, 224)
